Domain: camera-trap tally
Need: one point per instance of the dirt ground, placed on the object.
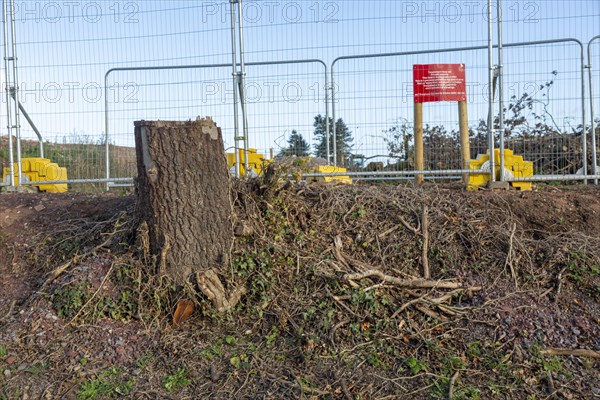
(333, 309)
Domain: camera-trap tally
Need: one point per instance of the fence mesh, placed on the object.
(594, 77)
(66, 48)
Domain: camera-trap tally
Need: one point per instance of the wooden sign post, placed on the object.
(440, 82)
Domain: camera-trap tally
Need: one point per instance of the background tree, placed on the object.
(344, 139)
(297, 146)
(441, 147)
(398, 139)
(530, 129)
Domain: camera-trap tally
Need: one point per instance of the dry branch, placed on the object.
(62, 268)
(559, 284)
(407, 304)
(383, 234)
(94, 295)
(553, 351)
(452, 383)
(414, 283)
(408, 226)
(337, 251)
(431, 313)
(448, 296)
(345, 390)
(509, 256)
(425, 233)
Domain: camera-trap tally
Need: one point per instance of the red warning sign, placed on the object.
(439, 82)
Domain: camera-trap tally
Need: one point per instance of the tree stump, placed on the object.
(184, 199)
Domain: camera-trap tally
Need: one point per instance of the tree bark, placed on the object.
(184, 196)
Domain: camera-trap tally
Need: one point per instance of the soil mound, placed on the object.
(353, 292)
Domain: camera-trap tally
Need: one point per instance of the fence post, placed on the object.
(333, 100)
(500, 92)
(419, 164)
(491, 69)
(463, 122)
(242, 85)
(327, 111)
(593, 126)
(584, 123)
(236, 129)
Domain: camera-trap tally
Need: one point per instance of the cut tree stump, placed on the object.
(183, 194)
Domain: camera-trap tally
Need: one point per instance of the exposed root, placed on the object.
(213, 289)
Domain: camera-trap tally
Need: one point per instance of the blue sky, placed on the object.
(66, 47)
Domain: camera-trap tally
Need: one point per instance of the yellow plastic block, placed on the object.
(41, 169)
(477, 180)
(513, 163)
(328, 169)
(256, 162)
(26, 165)
(522, 185)
(38, 164)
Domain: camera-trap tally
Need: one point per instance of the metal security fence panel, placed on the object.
(282, 98)
(593, 52)
(65, 49)
(374, 96)
(168, 93)
(543, 107)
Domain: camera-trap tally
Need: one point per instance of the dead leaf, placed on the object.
(184, 310)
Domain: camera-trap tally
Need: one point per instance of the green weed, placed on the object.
(38, 368)
(124, 308)
(176, 380)
(415, 365)
(375, 360)
(442, 386)
(230, 340)
(240, 361)
(585, 272)
(271, 338)
(552, 364)
(467, 394)
(109, 383)
(143, 362)
(214, 350)
(256, 268)
(68, 300)
(360, 213)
